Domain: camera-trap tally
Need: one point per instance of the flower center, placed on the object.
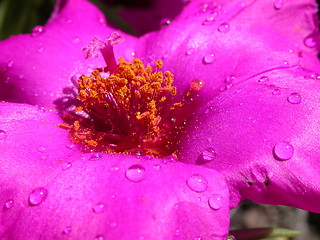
(128, 108)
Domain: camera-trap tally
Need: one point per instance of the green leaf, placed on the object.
(262, 233)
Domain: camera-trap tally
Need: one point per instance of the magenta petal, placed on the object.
(214, 42)
(262, 134)
(51, 190)
(36, 68)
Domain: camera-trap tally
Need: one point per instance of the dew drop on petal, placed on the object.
(10, 64)
(283, 151)
(263, 79)
(114, 169)
(37, 30)
(276, 91)
(215, 202)
(75, 40)
(209, 20)
(99, 237)
(165, 22)
(9, 204)
(67, 230)
(208, 155)
(224, 28)
(38, 196)
(189, 51)
(197, 238)
(136, 173)
(66, 166)
(99, 208)
(40, 49)
(209, 58)
(197, 183)
(310, 42)
(278, 4)
(95, 157)
(3, 135)
(294, 98)
(113, 225)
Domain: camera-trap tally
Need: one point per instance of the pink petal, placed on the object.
(49, 189)
(36, 68)
(215, 41)
(262, 134)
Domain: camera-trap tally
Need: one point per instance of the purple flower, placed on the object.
(250, 132)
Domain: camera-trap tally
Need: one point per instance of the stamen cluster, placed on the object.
(129, 111)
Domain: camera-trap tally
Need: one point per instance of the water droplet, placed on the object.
(276, 91)
(283, 151)
(114, 169)
(136, 173)
(209, 20)
(10, 64)
(113, 225)
(21, 76)
(189, 51)
(263, 79)
(197, 84)
(215, 202)
(197, 183)
(40, 49)
(197, 238)
(294, 98)
(157, 167)
(37, 30)
(66, 166)
(209, 58)
(3, 135)
(230, 79)
(67, 230)
(38, 196)
(224, 28)
(99, 237)
(310, 42)
(208, 155)
(165, 22)
(95, 157)
(75, 40)
(9, 204)
(170, 159)
(99, 208)
(277, 4)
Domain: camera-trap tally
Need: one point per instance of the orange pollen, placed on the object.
(130, 111)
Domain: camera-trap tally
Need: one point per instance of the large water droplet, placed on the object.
(136, 173)
(215, 202)
(38, 196)
(37, 30)
(224, 28)
(310, 42)
(197, 183)
(277, 4)
(3, 135)
(209, 58)
(283, 151)
(9, 204)
(165, 22)
(170, 159)
(208, 155)
(294, 98)
(99, 208)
